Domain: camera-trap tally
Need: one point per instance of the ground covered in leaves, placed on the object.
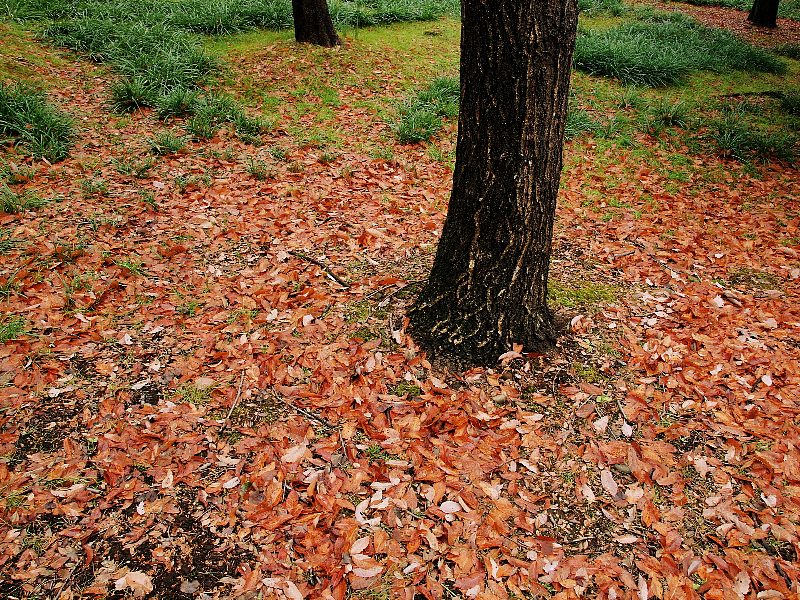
(208, 392)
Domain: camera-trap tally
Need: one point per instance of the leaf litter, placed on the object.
(196, 410)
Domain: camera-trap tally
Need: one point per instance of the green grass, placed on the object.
(579, 121)
(612, 7)
(421, 116)
(789, 50)
(735, 135)
(155, 47)
(588, 295)
(12, 202)
(259, 169)
(790, 103)
(787, 9)
(7, 241)
(216, 17)
(39, 128)
(11, 327)
(664, 49)
(165, 143)
(154, 59)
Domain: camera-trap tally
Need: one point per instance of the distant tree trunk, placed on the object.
(488, 286)
(764, 13)
(313, 24)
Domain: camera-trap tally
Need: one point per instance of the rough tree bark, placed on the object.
(313, 24)
(764, 13)
(488, 286)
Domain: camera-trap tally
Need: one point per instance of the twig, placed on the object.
(306, 413)
(402, 288)
(66, 579)
(322, 266)
(622, 411)
(555, 382)
(394, 293)
(233, 406)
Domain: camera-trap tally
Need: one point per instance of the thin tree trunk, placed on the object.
(488, 286)
(313, 24)
(764, 13)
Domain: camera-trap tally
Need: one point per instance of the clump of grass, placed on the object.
(612, 7)
(421, 117)
(587, 295)
(94, 187)
(789, 50)
(579, 121)
(12, 202)
(736, 137)
(788, 9)
(671, 113)
(249, 129)
(630, 97)
(212, 111)
(176, 103)
(790, 102)
(7, 241)
(27, 116)
(192, 394)
(11, 327)
(129, 95)
(131, 166)
(665, 49)
(259, 169)
(165, 143)
(154, 59)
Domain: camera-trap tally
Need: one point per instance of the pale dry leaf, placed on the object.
(588, 493)
(449, 507)
(601, 424)
(608, 482)
(139, 583)
(367, 573)
(294, 454)
(741, 584)
(359, 545)
(626, 539)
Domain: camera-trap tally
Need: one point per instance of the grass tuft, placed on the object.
(735, 137)
(11, 327)
(165, 143)
(421, 117)
(40, 129)
(12, 202)
(664, 49)
(613, 7)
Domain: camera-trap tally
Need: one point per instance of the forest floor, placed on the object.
(208, 391)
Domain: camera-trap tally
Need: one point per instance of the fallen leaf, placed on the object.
(139, 583)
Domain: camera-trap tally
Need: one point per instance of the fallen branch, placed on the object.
(322, 266)
(302, 411)
(233, 406)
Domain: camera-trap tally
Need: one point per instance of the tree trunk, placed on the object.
(764, 13)
(488, 286)
(312, 23)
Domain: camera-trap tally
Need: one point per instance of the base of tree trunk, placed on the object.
(764, 13)
(313, 24)
(467, 340)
